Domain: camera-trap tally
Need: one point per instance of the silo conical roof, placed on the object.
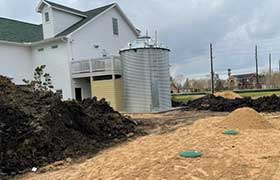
(144, 42)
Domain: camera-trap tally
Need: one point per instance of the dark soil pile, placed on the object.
(37, 128)
(213, 103)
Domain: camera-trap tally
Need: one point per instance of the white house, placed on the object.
(78, 48)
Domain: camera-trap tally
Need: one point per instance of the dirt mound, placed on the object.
(213, 103)
(245, 118)
(249, 156)
(37, 128)
(228, 95)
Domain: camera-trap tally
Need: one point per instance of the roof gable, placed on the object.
(16, 31)
(90, 15)
(60, 7)
(93, 14)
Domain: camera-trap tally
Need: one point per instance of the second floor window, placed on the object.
(115, 26)
(47, 17)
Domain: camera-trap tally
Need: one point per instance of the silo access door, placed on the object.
(155, 96)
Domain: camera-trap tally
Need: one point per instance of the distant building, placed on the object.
(244, 81)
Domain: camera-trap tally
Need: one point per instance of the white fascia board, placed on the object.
(14, 43)
(39, 7)
(70, 12)
(62, 39)
(127, 20)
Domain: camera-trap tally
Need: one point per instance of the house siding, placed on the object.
(48, 27)
(63, 20)
(15, 62)
(100, 32)
(57, 65)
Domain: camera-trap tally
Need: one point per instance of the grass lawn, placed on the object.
(254, 95)
(185, 98)
(259, 94)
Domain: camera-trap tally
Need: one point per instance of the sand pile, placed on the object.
(37, 128)
(252, 155)
(245, 118)
(228, 95)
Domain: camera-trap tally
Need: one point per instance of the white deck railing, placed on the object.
(100, 66)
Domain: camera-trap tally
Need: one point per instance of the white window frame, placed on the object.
(47, 16)
(115, 24)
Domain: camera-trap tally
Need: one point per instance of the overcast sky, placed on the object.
(188, 26)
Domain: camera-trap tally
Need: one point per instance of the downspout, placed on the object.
(70, 58)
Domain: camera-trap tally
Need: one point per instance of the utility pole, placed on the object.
(279, 65)
(270, 70)
(257, 66)
(229, 72)
(212, 70)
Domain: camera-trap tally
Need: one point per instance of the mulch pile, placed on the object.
(213, 103)
(37, 128)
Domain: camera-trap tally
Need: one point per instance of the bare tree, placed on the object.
(179, 80)
(199, 85)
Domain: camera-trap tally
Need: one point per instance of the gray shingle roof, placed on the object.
(16, 31)
(64, 7)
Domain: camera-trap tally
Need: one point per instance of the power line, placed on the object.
(228, 54)
(241, 54)
(232, 52)
(252, 41)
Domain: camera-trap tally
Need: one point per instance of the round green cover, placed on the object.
(231, 132)
(190, 154)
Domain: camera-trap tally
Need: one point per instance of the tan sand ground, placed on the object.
(254, 154)
(228, 95)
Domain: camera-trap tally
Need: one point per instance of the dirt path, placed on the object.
(252, 155)
(166, 122)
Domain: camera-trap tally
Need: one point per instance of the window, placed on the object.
(115, 26)
(58, 92)
(41, 49)
(47, 17)
(54, 46)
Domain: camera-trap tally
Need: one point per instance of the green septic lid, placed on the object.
(231, 132)
(190, 154)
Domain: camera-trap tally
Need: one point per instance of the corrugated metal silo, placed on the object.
(146, 76)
